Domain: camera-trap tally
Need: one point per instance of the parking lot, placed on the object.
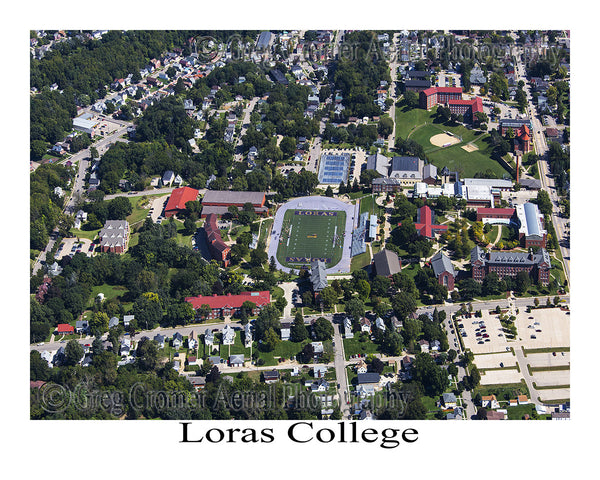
(494, 377)
(493, 360)
(157, 207)
(72, 246)
(484, 335)
(548, 327)
(105, 126)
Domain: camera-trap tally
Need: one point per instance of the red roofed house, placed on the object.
(494, 213)
(467, 108)
(217, 247)
(179, 197)
(425, 225)
(228, 305)
(64, 328)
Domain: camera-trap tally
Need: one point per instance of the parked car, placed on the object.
(502, 364)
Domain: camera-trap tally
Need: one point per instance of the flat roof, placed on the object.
(233, 197)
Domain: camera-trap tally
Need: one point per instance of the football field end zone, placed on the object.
(315, 203)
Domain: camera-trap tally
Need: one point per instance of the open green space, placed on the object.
(503, 391)
(311, 236)
(353, 346)
(360, 261)
(418, 125)
(87, 234)
(109, 291)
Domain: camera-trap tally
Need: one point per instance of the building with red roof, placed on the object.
(522, 142)
(216, 246)
(179, 197)
(488, 215)
(433, 96)
(466, 108)
(64, 328)
(425, 223)
(229, 305)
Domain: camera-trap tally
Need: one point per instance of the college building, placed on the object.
(216, 246)
(229, 305)
(509, 264)
(218, 201)
(179, 197)
(452, 98)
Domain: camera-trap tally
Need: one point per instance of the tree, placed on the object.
(355, 308)
(432, 377)
(522, 282)
(307, 354)
(214, 375)
(452, 369)
(452, 355)
(411, 99)
(323, 329)
(415, 410)
(411, 329)
(270, 340)
(329, 191)
(99, 322)
(73, 353)
(377, 365)
(328, 296)
(404, 304)
(119, 208)
(298, 332)
(147, 354)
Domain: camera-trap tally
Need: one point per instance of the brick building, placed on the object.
(492, 215)
(443, 270)
(114, 236)
(509, 264)
(218, 202)
(531, 225)
(382, 184)
(216, 246)
(179, 197)
(229, 305)
(433, 96)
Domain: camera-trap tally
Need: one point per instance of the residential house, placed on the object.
(271, 376)
(380, 324)
(198, 382)
(82, 326)
(177, 340)
(64, 329)
(319, 371)
(320, 385)
(317, 347)
(522, 399)
(209, 337)
(160, 340)
(125, 346)
(361, 367)
(449, 400)
(127, 319)
(247, 335)
(424, 344)
(168, 177)
(113, 322)
(489, 401)
(285, 330)
(369, 378)
(215, 360)
(192, 340)
(348, 328)
(236, 360)
(365, 325)
(228, 335)
(434, 345)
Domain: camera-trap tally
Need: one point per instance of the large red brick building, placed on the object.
(488, 215)
(216, 246)
(452, 98)
(219, 201)
(179, 197)
(509, 264)
(229, 305)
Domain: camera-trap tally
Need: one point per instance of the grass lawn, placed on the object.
(182, 239)
(360, 261)
(236, 349)
(141, 207)
(492, 234)
(352, 346)
(367, 204)
(265, 227)
(90, 235)
(503, 392)
(109, 291)
(518, 412)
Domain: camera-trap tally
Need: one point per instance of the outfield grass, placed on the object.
(418, 125)
(311, 236)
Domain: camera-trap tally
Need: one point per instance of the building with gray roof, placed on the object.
(318, 276)
(380, 163)
(408, 170)
(114, 236)
(443, 270)
(510, 263)
(387, 263)
(531, 230)
(263, 40)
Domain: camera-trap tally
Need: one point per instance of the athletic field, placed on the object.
(311, 234)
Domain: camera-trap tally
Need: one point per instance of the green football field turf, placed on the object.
(312, 236)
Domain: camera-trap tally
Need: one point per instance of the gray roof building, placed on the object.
(386, 263)
(430, 171)
(441, 263)
(318, 275)
(236, 359)
(263, 40)
(406, 168)
(378, 162)
(369, 377)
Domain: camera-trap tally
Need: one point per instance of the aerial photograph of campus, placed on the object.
(299, 224)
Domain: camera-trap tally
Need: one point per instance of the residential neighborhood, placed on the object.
(381, 238)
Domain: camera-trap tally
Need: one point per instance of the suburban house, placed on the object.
(247, 335)
(365, 325)
(380, 324)
(319, 371)
(113, 322)
(177, 340)
(228, 335)
(285, 330)
(127, 319)
(449, 400)
(348, 328)
(81, 326)
(209, 337)
(236, 360)
(167, 178)
(424, 344)
(271, 376)
(320, 385)
(160, 340)
(198, 382)
(489, 401)
(192, 340)
(64, 329)
(361, 367)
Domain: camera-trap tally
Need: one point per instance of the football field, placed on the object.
(311, 234)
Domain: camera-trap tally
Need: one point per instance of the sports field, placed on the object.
(311, 234)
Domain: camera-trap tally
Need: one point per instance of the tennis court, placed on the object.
(333, 169)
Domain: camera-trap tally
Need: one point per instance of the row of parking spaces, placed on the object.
(551, 395)
(494, 377)
(495, 360)
(548, 327)
(552, 378)
(157, 208)
(548, 359)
